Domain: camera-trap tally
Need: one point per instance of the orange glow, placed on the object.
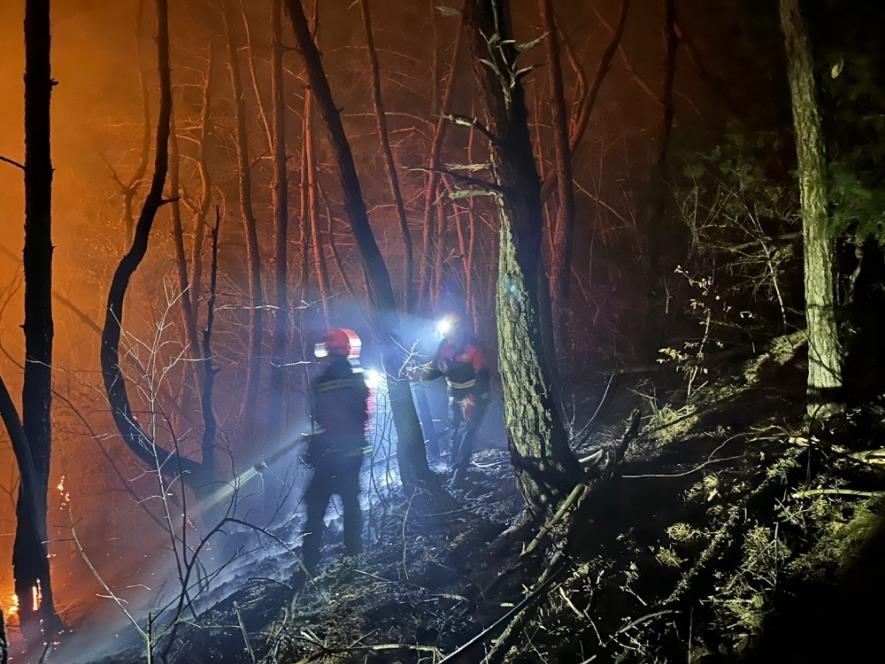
(12, 608)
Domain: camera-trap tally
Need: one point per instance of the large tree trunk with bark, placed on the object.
(29, 557)
(250, 226)
(138, 441)
(546, 468)
(411, 455)
(824, 352)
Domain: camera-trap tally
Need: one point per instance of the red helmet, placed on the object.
(339, 342)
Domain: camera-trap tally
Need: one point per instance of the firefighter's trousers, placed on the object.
(333, 474)
(464, 430)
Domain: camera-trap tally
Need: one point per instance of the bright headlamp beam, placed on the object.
(443, 326)
(373, 378)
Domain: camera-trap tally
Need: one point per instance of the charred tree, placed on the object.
(30, 553)
(389, 164)
(138, 441)
(250, 225)
(824, 352)
(210, 423)
(546, 468)
(411, 455)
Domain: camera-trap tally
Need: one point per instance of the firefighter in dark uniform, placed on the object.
(461, 360)
(339, 408)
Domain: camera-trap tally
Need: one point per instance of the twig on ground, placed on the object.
(405, 542)
(244, 632)
(710, 460)
(838, 492)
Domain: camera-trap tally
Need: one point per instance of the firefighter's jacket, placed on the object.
(464, 366)
(339, 407)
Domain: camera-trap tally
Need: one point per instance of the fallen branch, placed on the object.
(838, 492)
(576, 496)
(244, 632)
(512, 615)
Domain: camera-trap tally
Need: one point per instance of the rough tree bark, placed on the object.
(411, 455)
(546, 469)
(30, 553)
(114, 382)
(250, 226)
(389, 164)
(824, 352)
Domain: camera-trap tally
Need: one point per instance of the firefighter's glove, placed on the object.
(468, 407)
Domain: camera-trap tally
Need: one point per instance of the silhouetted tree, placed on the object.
(411, 455)
(33, 452)
(141, 444)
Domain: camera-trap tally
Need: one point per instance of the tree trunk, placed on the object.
(824, 352)
(313, 216)
(584, 107)
(30, 561)
(146, 449)
(656, 243)
(244, 186)
(411, 455)
(429, 237)
(564, 227)
(201, 209)
(545, 467)
(210, 423)
(281, 218)
(389, 164)
(188, 315)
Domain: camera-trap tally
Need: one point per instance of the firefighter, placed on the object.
(339, 409)
(461, 360)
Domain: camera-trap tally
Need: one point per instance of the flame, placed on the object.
(36, 596)
(65, 495)
(12, 608)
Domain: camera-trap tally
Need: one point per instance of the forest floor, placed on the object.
(726, 531)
